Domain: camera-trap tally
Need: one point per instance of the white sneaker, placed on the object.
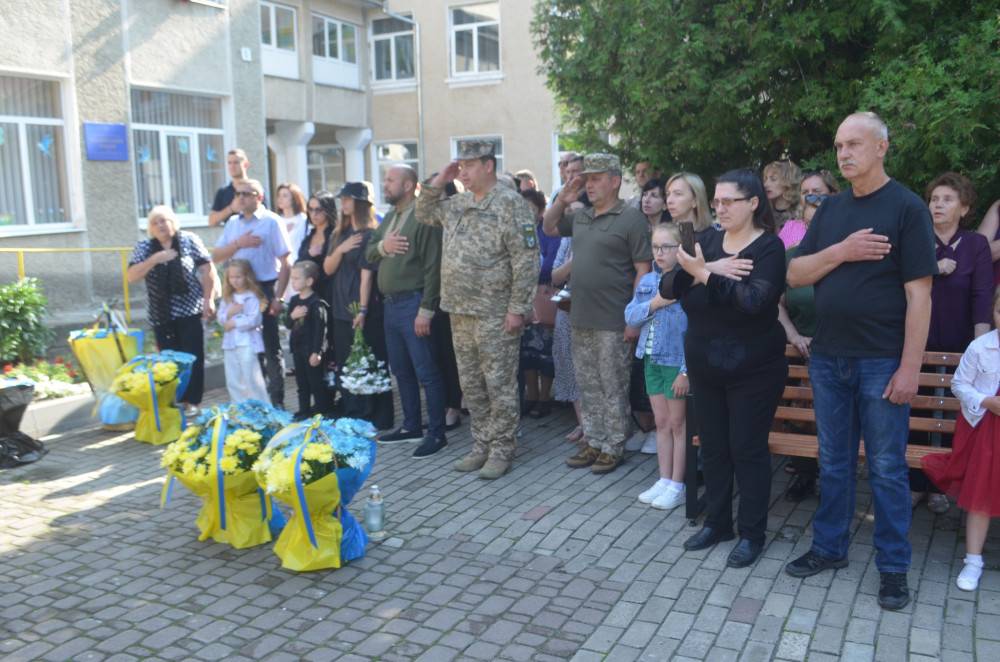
(649, 446)
(670, 499)
(968, 579)
(656, 490)
(636, 441)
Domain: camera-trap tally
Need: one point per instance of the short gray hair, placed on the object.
(876, 122)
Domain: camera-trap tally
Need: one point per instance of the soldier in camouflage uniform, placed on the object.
(489, 272)
(611, 253)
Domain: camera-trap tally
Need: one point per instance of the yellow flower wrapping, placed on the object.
(133, 388)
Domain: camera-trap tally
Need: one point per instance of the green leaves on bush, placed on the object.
(23, 333)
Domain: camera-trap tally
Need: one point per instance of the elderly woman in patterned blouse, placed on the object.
(181, 285)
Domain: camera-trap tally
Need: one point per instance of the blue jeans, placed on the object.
(411, 360)
(848, 401)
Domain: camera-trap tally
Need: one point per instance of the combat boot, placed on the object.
(470, 462)
(586, 457)
(494, 468)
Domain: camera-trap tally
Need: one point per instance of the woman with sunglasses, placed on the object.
(735, 356)
(797, 310)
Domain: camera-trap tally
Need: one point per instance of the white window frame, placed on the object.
(459, 78)
(395, 82)
(218, 4)
(336, 71)
(493, 136)
(322, 167)
(376, 176)
(280, 62)
(30, 226)
(199, 216)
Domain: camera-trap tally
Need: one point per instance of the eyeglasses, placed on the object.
(725, 202)
(814, 199)
(563, 164)
(664, 248)
(247, 194)
(314, 210)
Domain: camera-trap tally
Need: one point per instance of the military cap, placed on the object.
(600, 162)
(474, 149)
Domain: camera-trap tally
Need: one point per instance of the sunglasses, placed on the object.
(247, 194)
(314, 210)
(815, 199)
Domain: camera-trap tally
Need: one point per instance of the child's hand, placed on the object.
(234, 309)
(230, 325)
(658, 302)
(299, 312)
(314, 359)
(681, 386)
(992, 405)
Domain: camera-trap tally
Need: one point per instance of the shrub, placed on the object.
(23, 334)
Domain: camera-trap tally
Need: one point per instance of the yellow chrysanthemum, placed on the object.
(229, 464)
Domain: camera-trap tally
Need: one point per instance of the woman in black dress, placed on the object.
(353, 280)
(735, 354)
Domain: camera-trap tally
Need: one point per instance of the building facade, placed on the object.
(109, 107)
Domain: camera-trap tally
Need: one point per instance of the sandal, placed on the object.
(576, 435)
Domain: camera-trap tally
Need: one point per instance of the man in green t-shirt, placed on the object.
(611, 253)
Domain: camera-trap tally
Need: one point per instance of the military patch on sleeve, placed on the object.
(528, 235)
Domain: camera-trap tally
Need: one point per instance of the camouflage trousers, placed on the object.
(602, 362)
(487, 360)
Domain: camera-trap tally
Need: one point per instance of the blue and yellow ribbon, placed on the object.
(152, 395)
(218, 443)
(300, 489)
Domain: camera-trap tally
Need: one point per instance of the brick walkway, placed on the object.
(547, 563)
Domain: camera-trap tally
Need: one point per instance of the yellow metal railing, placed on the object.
(123, 252)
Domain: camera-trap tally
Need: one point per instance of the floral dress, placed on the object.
(564, 385)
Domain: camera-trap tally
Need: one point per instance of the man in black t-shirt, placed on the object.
(870, 253)
(224, 204)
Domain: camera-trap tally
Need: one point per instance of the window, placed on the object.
(335, 52)
(326, 168)
(277, 40)
(475, 39)
(33, 187)
(457, 144)
(179, 155)
(388, 154)
(392, 50)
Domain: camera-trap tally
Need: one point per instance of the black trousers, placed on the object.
(444, 354)
(379, 408)
(272, 361)
(186, 334)
(312, 387)
(734, 419)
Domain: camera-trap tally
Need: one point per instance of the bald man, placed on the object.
(876, 238)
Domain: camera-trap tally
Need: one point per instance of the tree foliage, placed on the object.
(707, 85)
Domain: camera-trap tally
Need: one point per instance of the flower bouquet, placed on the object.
(213, 458)
(317, 467)
(363, 374)
(152, 382)
(101, 350)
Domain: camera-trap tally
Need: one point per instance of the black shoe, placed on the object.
(452, 426)
(542, 409)
(812, 563)
(706, 538)
(400, 435)
(801, 488)
(893, 594)
(527, 406)
(745, 553)
(429, 446)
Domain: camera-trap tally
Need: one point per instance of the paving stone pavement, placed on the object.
(547, 563)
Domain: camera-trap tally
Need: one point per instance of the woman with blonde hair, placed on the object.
(687, 200)
(781, 184)
(181, 286)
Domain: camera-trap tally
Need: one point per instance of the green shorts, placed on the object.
(660, 378)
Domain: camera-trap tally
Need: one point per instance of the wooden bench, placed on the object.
(929, 415)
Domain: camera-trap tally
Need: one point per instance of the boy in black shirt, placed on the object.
(307, 320)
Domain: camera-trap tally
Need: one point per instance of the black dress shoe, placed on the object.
(429, 446)
(745, 553)
(706, 538)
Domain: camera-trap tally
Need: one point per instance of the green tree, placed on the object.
(707, 85)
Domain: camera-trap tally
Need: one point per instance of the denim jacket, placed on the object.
(671, 324)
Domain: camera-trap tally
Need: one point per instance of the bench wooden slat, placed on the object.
(947, 359)
(928, 379)
(804, 445)
(932, 402)
(917, 423)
